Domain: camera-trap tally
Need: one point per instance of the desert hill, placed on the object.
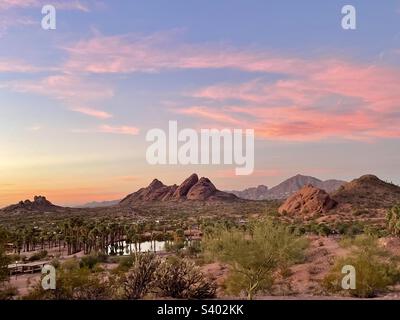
(368, 191)
(192, 188)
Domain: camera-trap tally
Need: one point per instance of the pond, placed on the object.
(125, 249)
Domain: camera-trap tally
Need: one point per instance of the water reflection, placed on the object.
(125, 249)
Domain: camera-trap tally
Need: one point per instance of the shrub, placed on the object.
(256, 255)
(350, 229)
(393, 220)
(125, 263)
(89, 261)
(375, 269)
(181, 279)
(38, 256)
(7, 292)
(74, 283)
(93, 289)
(140, 278)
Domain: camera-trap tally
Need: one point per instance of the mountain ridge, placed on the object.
(287, 188)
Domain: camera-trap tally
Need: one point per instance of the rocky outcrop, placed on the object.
(192, 188)
(202, 190)
(39, 203)
(308, 201)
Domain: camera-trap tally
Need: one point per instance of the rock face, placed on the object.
(192, 188)
(202, 190)
(185, 187)
(39, 203)
(287, 188)
(308, 201)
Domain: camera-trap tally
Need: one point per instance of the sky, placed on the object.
(76, 102)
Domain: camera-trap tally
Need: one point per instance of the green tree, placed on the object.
(255, 255)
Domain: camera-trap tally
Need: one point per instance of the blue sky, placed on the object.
(76, 102)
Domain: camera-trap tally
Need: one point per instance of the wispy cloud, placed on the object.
(72, 89)
(119, 129)
(13, 21)
(160, 51)
(93, 112)
(114, 129)
(16, 66)
(209, 113)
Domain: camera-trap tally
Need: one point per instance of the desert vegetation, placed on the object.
(376, 268)
(254, 255)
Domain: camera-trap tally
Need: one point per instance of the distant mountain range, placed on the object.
(100, 204)
(287, 188)
(302, 194)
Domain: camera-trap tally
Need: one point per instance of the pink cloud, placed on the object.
(132, 53)
(72, 90)
(93, 112)
(119, 130)
(17, 66)
(336, 99)
(316, 98)
(66, 87)
(207, 113)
